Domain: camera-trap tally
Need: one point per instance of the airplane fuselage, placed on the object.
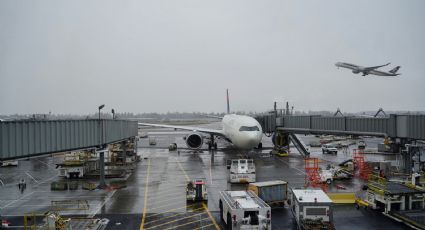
(366, 70)
(243, 131)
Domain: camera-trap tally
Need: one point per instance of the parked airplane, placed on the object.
(369, 70)
(244, 132)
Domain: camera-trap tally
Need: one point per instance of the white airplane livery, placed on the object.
(244, 132)
(369, 70)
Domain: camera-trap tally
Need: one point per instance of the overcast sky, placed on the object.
(181, 55)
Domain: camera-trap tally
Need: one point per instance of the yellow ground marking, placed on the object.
(202, 227)
(169, 191)
(184, 172)
(166, 205)
(146, 195)
(166, 200)
(174, 227)
(203, 205)
(171, 210)
(210, 216)
(286, 163)
(176, 220)
(150, 222)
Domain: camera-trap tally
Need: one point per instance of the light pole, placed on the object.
(100, 107)
(113, 114)
(102, 183)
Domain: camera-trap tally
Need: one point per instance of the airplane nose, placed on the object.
(252, 139)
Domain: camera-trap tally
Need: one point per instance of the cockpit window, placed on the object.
(249, 128)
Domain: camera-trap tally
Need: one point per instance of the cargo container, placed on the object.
(272, 192)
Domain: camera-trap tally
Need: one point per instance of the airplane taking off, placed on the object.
(244, 132)
(369, 70)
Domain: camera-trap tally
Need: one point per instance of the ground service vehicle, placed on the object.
(196, 190)
(312, 209)
(172, 147)
(334, 173)
(152, 141)
(328, 148)
(9, 163)
(242, 171)
(244, 210)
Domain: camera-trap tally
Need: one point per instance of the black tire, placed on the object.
(221, 210)
(229, 224)
(260, 145)
(328, 181)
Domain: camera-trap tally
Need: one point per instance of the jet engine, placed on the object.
(356, 71)
(194, 141)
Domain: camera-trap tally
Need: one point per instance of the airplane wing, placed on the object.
(375, 67)
(212, 116)
(189, 128)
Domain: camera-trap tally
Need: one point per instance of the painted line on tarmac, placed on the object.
(48, 179)
(166, 205)
(36, 181)
(146, 195)
(210, 216)
(49, 166)
(17, 200)
(153, 221)
(185, 174)
(286, 163)
(2, 184)
(176, 220)
(174, 227)
(202, 227)
(30, 205)
(170, 210)
(165, 196)
(166, 200)
(168, 193)
(108, 197)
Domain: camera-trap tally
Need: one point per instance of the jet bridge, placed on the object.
(408, 127)
(399, 129)
(28, 138)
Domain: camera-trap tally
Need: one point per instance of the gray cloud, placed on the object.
(143, 56)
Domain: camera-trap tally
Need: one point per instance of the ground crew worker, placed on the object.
(22, 185)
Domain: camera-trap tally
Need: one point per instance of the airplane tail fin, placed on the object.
(395, 69)
(228, 104)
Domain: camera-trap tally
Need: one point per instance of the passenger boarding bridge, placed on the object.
(22, 139)
(400, 131)
(409, 127)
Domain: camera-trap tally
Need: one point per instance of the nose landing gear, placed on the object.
(212, 144)
(260, 145)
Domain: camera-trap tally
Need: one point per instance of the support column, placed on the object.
(403, 203)
(102, 183)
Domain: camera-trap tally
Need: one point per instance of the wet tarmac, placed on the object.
(155, 194)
